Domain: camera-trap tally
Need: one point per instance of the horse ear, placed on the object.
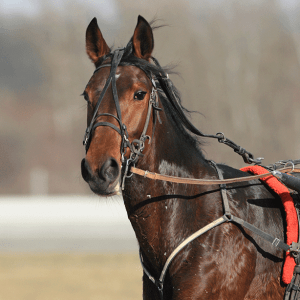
(143, 42)
(95, 45)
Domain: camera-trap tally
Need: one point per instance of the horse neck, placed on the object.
(150, 208)
(171, 152)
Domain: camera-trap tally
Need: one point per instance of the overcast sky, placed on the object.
(108, 7)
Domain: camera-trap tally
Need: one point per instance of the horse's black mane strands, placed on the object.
(156, 71)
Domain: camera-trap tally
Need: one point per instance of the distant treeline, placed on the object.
(238, 64)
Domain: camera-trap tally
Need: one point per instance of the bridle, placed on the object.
(137, 146)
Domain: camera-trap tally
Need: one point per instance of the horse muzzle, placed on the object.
(105, 180)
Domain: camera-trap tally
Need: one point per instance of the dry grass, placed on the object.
(70, 276)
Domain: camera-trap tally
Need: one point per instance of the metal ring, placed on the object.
(293, 166)
(129, 161)
(281, 162)
(153, 83)
(129, 176)
(228, 217)
(221, 139)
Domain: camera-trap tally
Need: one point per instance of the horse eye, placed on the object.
(139, 95)
(85, 96)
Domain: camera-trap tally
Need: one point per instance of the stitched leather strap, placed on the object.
(156, 176)
(187, 241)
(274, 241)
(223, 190)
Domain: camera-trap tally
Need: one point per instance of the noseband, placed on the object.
(137, 145)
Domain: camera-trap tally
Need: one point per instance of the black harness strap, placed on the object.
(227, 217)
(167, 87)
(117, 56)
(274, 241)
(107, 123)
(116, 99)
(230, 218)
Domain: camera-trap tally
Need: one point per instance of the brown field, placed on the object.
(70, 276)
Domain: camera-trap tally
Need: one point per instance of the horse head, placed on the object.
(118, 96)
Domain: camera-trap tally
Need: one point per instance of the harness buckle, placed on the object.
(228, 217)
(153, 83)
(86, 137)
(159, 285)
(126, 171)
(128, 162)
(153, 95)
(294, 248)
(222, 137)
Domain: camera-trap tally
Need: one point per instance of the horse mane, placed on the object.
(177, 113)
(156, 71)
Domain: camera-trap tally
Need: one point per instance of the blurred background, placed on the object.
(239, 66)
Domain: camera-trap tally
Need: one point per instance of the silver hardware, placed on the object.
(293, 166)
(276, 242)
(277, 174)
(222, 138)
(153, 83)
(295, 247)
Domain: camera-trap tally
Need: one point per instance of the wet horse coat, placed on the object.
(228, 262)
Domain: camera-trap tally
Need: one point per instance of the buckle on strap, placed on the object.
(295, 248)
(295, 287)
(86, 136)
(127, 164)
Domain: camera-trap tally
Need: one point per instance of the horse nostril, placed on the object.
(109, 170)
(85, 170)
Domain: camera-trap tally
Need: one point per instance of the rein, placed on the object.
(156, 176)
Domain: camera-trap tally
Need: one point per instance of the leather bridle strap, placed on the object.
(137, 145)
(117, 56)
(109, 124)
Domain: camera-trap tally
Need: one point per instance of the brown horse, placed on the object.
(227, 262)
